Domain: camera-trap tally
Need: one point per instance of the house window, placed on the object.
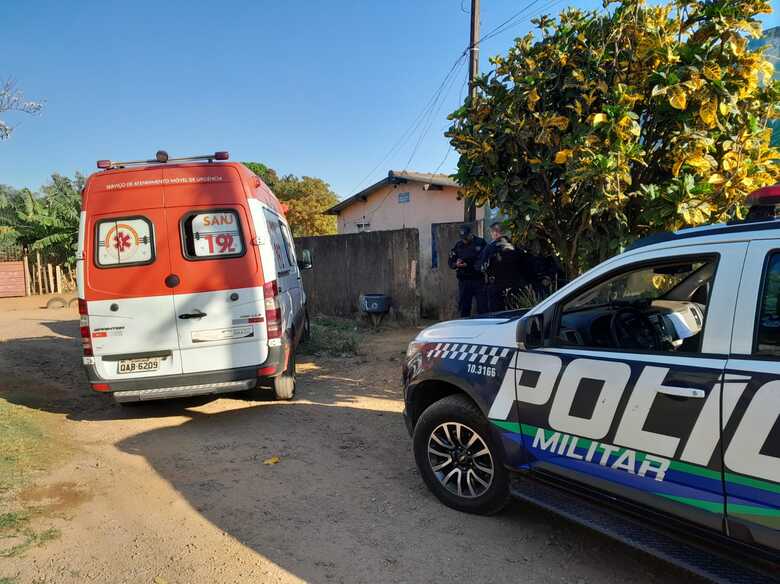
(363, 226)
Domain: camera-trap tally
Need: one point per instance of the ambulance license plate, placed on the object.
(139, 365)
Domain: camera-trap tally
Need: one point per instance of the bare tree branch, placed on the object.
(12, 100)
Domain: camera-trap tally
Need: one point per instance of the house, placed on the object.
(403, 199)
(407, 199)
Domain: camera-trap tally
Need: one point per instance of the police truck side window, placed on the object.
(212, 234)
(658, 307)
(768, 323)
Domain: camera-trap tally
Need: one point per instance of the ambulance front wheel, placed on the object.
(284, 384)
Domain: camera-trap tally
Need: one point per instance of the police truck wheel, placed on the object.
(284, 384)
(459, 458)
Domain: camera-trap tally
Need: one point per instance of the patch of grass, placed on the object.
(338, 337)
(14, 526)
(13, 521)
(25, 445)
(28, 445)
(29, 538)
(7, 580)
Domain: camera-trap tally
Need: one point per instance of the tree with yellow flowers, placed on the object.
(619, 123)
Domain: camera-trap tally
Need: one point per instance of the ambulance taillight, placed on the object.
(273, 312)
(86, 335)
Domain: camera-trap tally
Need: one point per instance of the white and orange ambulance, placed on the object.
(188, 281)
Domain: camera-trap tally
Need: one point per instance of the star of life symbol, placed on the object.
(122, 241)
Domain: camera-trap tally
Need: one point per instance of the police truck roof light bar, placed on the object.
(161, 157)
(764, 204)
(764, 196)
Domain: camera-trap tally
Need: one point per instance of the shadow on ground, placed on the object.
(46, 373)
(345, 502)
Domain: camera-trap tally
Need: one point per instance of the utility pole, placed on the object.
(469, 208)
(474, 48)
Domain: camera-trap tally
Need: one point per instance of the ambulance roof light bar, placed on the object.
(161, 158)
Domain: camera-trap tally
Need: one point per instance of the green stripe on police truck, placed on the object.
(733, 509)
(675, 465)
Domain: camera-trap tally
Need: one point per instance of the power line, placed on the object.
(506, 24)
(490, 34)
(449, 145)
(432, 115)
(428, 111)
(417, 121)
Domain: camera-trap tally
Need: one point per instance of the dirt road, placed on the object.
(177, 492)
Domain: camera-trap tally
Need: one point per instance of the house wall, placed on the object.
(382, 211)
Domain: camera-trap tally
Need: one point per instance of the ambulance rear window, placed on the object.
(212, 234)
(124, 241)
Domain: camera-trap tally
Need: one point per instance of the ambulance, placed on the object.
(188, 281)
(642, 400)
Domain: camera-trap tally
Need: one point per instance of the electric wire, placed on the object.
(417, 121)
(432, 115)
(425, 118)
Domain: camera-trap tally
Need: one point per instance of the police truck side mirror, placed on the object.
(305, 263)
(529, 331)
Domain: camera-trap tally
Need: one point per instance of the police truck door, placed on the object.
(751, 402)
(627, 397)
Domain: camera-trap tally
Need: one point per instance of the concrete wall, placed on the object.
(382, 211)
(441, 285)
(346, 266)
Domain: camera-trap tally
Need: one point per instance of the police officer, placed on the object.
(499, 262)
(464, 259)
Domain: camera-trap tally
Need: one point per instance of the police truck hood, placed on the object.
(468, 328)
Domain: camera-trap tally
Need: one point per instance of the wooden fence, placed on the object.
(47, 277)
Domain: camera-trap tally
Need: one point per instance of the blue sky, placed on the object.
(317, 88)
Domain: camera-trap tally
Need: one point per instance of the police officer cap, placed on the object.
(465, 230)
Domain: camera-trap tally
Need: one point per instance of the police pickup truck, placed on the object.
(641, 399)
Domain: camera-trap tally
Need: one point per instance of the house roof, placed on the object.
(394, 177)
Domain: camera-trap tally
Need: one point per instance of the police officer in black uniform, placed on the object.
(502, 264)
(464, 259)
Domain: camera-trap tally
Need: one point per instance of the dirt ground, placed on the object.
(177, 491)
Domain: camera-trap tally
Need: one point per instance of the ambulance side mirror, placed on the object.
(529, 331)
(305, 263)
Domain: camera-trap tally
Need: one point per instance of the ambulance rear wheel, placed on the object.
(284, 384)
(459, 458)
